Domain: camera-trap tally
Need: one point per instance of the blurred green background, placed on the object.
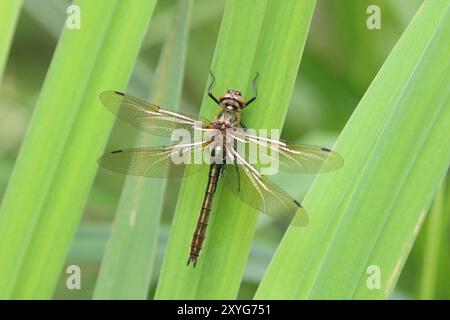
(341, 58)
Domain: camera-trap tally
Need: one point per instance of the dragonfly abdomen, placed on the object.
(202, 222)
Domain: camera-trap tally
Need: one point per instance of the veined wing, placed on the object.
(260, 193)
(170, 161)
(149, 117)
(297, 158)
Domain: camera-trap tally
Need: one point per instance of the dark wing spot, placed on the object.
(298, 204)
(326, 149)
(117, 151)
(119, 93)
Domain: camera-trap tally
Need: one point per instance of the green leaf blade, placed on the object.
(26, 195)
(242, 50)
(56, 207)
(369, 212)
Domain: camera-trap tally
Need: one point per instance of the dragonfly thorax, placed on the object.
(226, 119)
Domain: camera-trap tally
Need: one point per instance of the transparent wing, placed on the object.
(261, 193)
(170, 161)
(149, 117)
(297, 158)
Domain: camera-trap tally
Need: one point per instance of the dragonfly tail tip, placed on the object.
(193, 260)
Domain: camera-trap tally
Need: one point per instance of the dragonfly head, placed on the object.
(232, 100)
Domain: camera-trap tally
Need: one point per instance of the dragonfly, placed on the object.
(228, 164)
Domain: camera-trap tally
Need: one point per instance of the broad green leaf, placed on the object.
(34, 168)
(365, 216)
(240, 53)
(57, 163)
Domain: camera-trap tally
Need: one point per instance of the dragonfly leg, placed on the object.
(255, 91)
(210, 88)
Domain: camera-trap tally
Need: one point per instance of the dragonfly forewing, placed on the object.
(149, 117)
(289, 157)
